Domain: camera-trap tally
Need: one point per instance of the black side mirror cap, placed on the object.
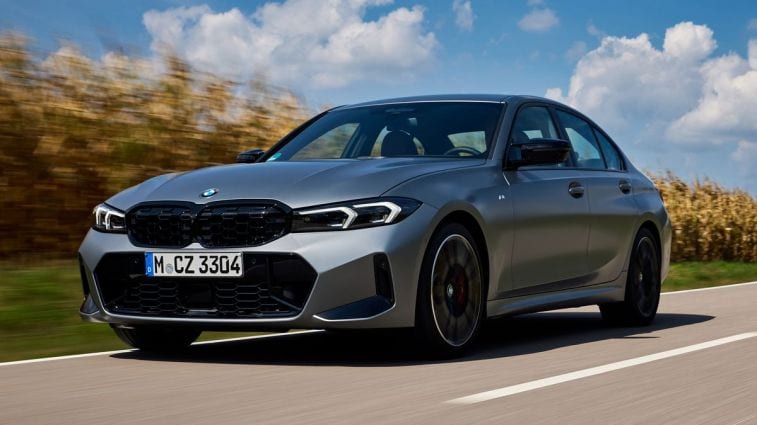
(251, 156)
(538, 152)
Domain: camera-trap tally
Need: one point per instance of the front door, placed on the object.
(611, 203)
(551, 215)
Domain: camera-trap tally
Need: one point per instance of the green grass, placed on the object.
(39, 315)
(694, 274)
(39, 307)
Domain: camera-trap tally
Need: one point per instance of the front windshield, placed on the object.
(430, 129)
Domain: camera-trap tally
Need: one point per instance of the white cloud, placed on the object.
(626, 77)
(594, 31)
(539, 20)
(464, 16)
(688, 41)
(167, 28)
(745, 157)
(299, 42)
(576, 51)
(66, 56)
(680, 99)
(727, 108)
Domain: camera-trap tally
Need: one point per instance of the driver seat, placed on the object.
(398, 143)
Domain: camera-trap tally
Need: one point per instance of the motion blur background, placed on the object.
(78, 124)
(74, 131)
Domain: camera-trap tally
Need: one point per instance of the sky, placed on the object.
(673, 82)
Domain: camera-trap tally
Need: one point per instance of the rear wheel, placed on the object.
(158, 339)
(451, 291)
(643, 285)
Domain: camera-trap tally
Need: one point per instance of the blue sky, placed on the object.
(685, 100)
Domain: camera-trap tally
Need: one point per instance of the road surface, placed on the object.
(696, 365)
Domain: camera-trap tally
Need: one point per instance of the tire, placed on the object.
(450, 309)
(642, 296)
(158, 339)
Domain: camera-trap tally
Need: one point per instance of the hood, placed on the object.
(297, 184)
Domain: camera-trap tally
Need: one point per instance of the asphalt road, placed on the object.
(696, 365)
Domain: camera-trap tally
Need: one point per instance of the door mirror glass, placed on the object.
(538, 152)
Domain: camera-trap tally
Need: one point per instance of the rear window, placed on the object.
(612, 156)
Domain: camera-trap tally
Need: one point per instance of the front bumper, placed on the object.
(344, 294)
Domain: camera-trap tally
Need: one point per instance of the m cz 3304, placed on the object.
(432, 212)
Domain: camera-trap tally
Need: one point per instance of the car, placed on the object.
(433, 213)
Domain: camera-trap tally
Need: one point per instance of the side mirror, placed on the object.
(538, 152)
(248, 157)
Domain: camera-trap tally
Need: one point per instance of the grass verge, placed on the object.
(695, 274)
(39, 315)
(39, 305)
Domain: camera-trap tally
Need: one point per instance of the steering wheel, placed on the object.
(463, 149)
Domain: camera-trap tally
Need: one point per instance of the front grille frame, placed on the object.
(263, 293)
(194, 213)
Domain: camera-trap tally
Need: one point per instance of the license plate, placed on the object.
(193, 264)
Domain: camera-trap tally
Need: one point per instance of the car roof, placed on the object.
(494, 98)
(511, 99)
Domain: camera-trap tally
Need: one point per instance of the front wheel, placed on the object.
(643, 285)
(158, 339)
(451, 292)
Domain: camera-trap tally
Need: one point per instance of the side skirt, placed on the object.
(556, 299)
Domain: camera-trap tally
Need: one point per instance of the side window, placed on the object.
(329, 145)
(610, 152)
(533, 122)
(586, 151)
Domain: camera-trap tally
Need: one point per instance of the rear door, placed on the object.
(609, 191)
(551, 214)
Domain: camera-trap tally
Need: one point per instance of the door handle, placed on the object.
(624, 186)
(576, 190)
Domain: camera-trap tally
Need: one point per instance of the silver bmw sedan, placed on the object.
(432, 213)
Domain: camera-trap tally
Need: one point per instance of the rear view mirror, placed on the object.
(248, 157)
(538, 152)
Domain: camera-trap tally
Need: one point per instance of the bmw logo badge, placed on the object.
(209, 192)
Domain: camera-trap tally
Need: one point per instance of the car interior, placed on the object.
(461, 130)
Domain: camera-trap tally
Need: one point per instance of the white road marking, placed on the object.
(744, 420)
(245, 338)
(109, 353)
(72, 356)
(610, 367)
(710, 288)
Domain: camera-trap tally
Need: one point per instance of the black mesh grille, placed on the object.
(239, 225)
(161, 226)
(273, 285)
(221, 225)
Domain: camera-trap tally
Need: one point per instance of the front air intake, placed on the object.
(273, 285)
(383, 277)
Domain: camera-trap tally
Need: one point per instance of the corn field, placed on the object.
(74, 131)
(709, 221)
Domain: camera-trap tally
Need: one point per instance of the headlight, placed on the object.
(108, 219)
(353, 215)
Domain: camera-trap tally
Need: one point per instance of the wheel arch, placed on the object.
(474, 227)
(652, 227)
